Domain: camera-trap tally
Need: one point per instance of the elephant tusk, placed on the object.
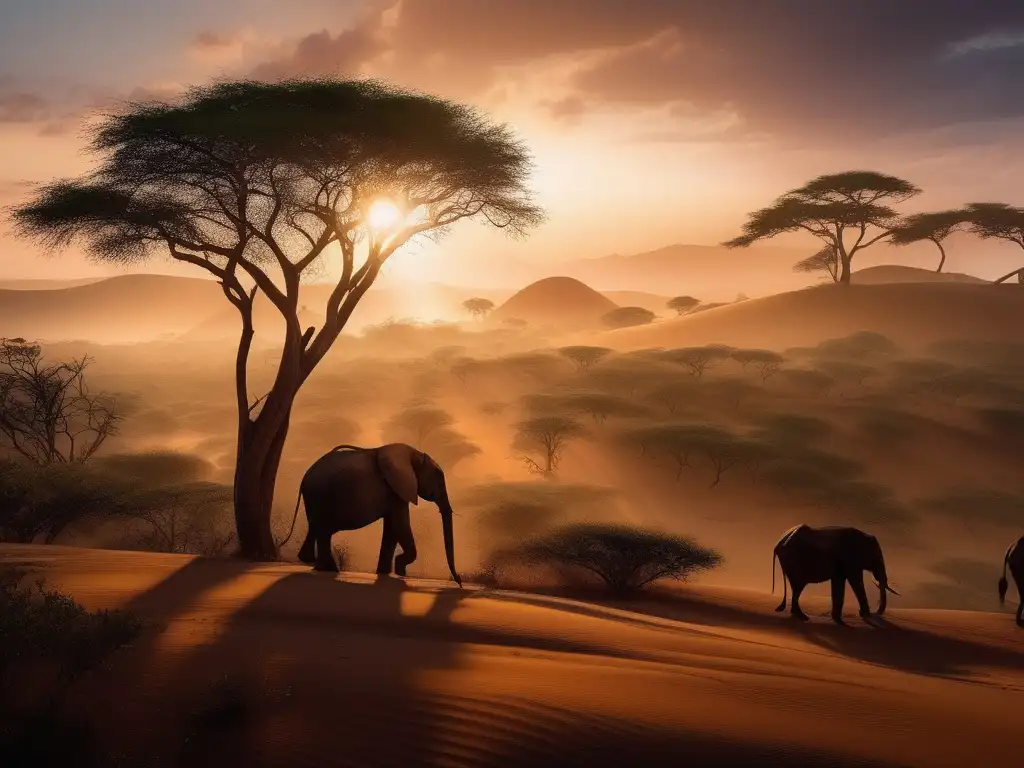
(887, 586)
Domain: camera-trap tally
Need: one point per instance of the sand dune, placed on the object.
(909, 313)
(345, 671)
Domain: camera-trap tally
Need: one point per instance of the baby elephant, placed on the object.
(1015, 559)
(838, 554)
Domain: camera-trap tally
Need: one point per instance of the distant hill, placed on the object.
(910, 314)
(650, 301)
(709, 272)
(561, 301)
(44, 284)
(896, 273)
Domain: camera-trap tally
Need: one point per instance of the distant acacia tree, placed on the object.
(825, 260)
(935, 227)
(47, 412)
(416, 423)
(682, 304)
(697, 359)
(833, 207)
(998, 221)
(542, 440)
(262, 184)
(584, 356)
(478, 307)
(626, 317)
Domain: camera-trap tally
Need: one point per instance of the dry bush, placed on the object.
(625, 558)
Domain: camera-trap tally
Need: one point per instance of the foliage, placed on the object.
(998, 221)
(860, 346)
(545, 437)
(598, 405)
(793, 429)
(47, 412)
(42, 502)
(682, 305)
(512, 510)
(830, 207)
(934, 226)
(624, 557)
(450, 448)
(825, 260)
(415, 423)
(584, 356)
(768, 363)
(627, 317)
(974, 506)
(478, 307)
(697, 359)
(806, 380)
(251, 180)
(38, 623)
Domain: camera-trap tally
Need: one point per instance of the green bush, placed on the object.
(624, 557)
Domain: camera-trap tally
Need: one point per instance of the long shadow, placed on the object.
(884, 642)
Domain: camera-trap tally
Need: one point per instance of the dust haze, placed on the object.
(896, 423)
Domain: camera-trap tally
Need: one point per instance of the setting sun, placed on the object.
(383, 214)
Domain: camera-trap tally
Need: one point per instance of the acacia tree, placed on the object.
(936, 227)
(48, 414)
(682, 304)
(478, 307)
(546, 437)
(584, 356)
(826, 260)
(261, 184)
(998, 221)
(833, 207)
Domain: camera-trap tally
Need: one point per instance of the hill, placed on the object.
(909, 313)
(896, 273)
(240, 659)
(709, 272)
(561, 301)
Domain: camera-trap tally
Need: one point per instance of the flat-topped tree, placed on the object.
(849, 211)
(261, 184)
(998, 221)
(935, 227)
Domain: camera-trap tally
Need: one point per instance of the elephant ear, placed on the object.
(395, 462)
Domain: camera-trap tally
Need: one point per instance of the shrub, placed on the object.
(37, 622)
(627, 317)
(624, 557)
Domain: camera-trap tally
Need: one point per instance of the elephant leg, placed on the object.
(1020, 602)
(307, 552)
(857, 585)
(798, 588)
(388, 542)
(838, 597)
(324, 556)
(403, 532)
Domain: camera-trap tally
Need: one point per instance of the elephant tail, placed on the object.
(295, 516)
(1003, 584)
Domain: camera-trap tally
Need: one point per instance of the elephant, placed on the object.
(1015, 559)
(838, 554)
(351, 487)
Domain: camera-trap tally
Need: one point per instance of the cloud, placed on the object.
(843, 70)
(23, 107)
(213, 41)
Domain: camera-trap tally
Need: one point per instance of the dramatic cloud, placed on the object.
(844, 70)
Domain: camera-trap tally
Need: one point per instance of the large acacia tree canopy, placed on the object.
(827, 205)
(237, 174)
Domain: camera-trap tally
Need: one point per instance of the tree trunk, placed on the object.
(258, 458)
(942, 250)
(844, 275)
(1018, 272)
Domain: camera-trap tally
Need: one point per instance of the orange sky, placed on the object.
(651, 122)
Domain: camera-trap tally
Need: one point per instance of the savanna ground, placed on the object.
(730, 445)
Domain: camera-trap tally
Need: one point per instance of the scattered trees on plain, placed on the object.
(542, 441)
(247, 180)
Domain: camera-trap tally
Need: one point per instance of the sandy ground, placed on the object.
(348, 671)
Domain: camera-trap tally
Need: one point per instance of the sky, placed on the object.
(651, 122)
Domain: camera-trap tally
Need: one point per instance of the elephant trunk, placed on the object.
(882, 582)
(449, 535)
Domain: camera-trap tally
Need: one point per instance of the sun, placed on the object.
(383, 214)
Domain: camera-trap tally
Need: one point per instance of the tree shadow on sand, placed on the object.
(884, 642)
